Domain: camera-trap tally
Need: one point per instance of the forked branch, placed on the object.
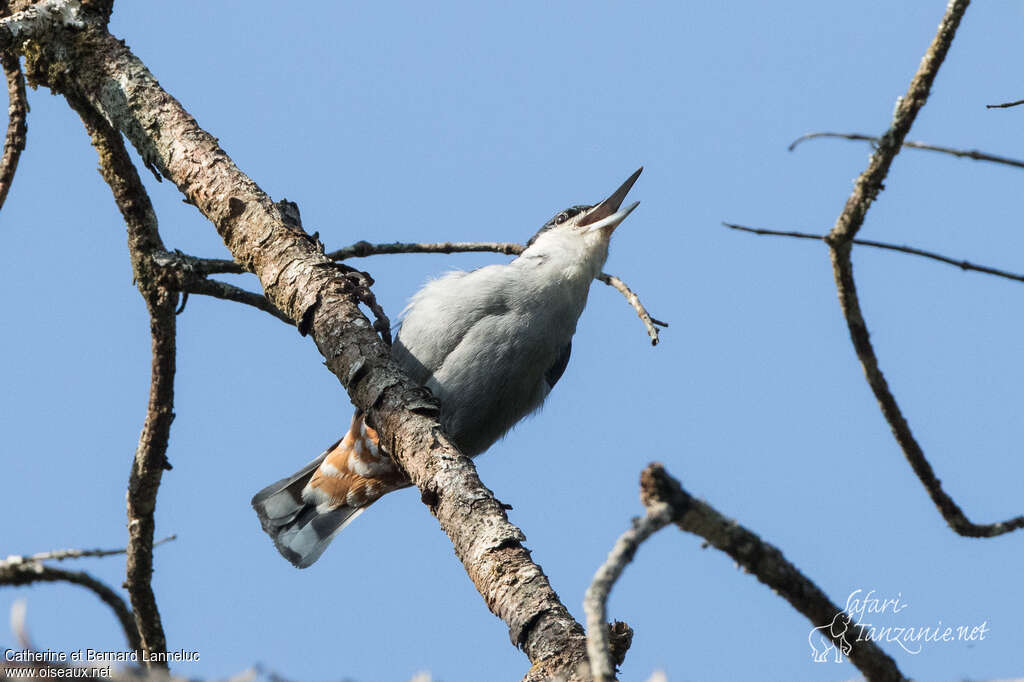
(840, 241)
(767, 563)
(910, 144)
(962, 264)
(150, 459)
(17, 570)
(363, 249)
(666, 503)
(322, 299)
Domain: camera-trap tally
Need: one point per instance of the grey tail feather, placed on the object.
(299, 531)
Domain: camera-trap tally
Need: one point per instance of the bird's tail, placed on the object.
(303, 512)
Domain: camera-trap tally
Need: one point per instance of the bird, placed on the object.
(489, 344)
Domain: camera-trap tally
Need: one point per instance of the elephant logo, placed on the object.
(824, 638)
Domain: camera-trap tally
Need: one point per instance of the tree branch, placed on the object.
(658, 490)
(869, 183)
(962, 264)
(602, 667)
(161, 300)
(14, 142)
(18, 570)
(64, 554)
(363, 249)
(910, 144)
(229, 292)
(1005, 105)
(319, 296)
(840, 241)
(634, 300)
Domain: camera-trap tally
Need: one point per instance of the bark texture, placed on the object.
(321, 298)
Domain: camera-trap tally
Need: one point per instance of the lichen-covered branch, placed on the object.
(320, 297)
(599, 650)
(18, 570)
(840, 241)
(38, 21)
(765, 562)
(962, 264)
(17, 110)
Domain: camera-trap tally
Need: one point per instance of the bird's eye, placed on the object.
(562, 217)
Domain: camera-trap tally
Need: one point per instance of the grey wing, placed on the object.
(439, 316)
(556, 370)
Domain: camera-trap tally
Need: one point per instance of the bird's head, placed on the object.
(583, 232)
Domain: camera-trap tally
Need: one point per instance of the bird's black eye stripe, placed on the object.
(565, 215)
(559, 219)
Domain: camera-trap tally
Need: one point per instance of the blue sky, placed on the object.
(478, 121)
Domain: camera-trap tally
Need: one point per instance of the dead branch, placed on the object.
(319, 297)
(602, 666)
(229, 292)
(150, 459)
(910, 144)
(363, 249)
(840, 241)
(766, 562)
(962, 264)
(63, 554)
(18, 570)
(17, 110)
(634, 300)
(869, 183)
(1005, 105)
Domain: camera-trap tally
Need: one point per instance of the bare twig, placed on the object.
(62, 554)
(962, 264)
(634, 300)
(364, 249)
(14, 142)
(595, 601)
(869, 183)
(229, 292)
(840, 241)
(161, 300)
(910, 144)
(21, 571)
(765, 561)
(1005, 105)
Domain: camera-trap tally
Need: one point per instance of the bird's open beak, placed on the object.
(607, 215)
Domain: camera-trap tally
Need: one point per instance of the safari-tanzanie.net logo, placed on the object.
(869, 617)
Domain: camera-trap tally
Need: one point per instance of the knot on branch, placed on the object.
(289, 213)
(620, 637)
(657, 487)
